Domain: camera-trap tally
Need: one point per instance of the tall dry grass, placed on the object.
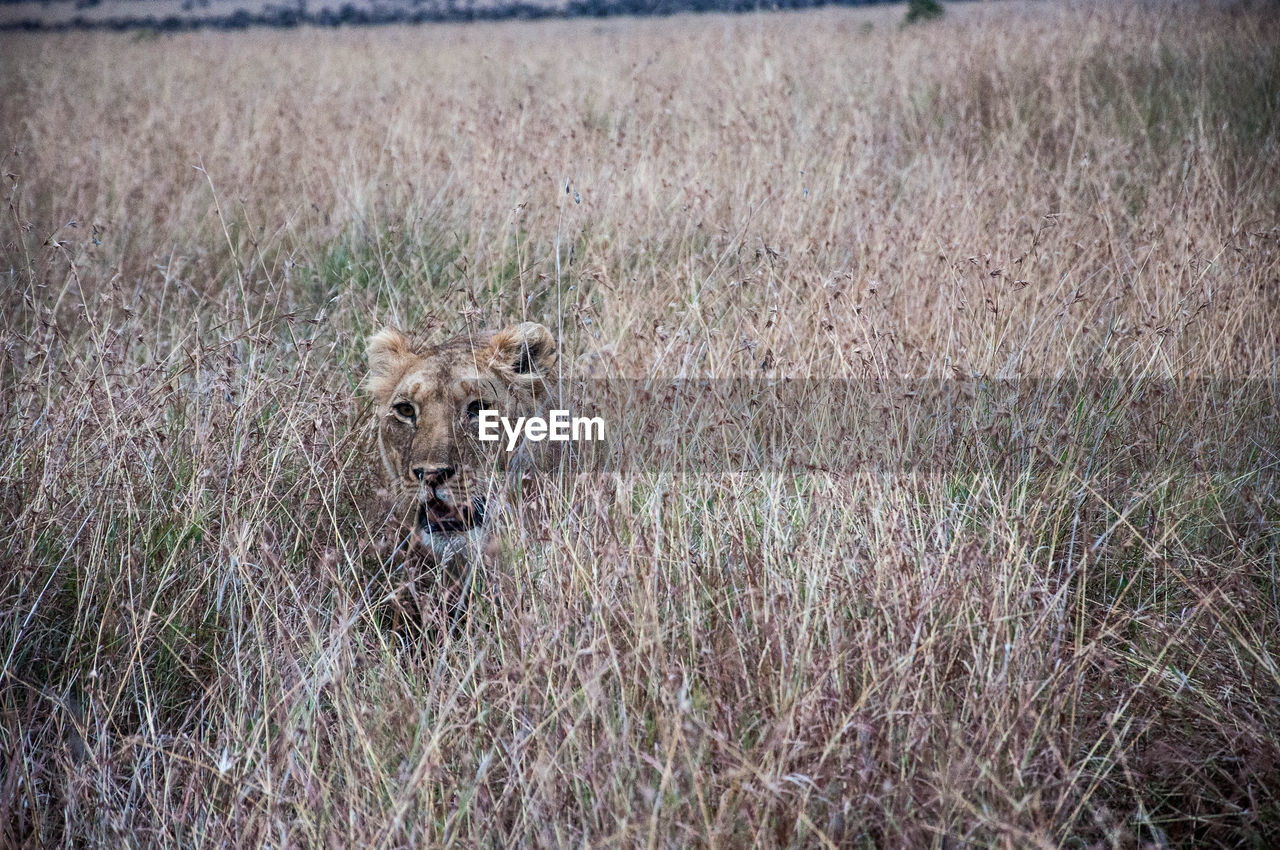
(1013, 650)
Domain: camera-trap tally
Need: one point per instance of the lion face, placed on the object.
(427, 404)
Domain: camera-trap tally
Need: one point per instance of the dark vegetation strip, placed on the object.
(350, 15)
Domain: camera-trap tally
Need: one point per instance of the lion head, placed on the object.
(428, 400)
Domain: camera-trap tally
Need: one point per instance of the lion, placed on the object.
(446, 485)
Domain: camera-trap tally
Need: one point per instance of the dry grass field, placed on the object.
(1038, 635)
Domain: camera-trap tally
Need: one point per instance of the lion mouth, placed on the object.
(439, 517)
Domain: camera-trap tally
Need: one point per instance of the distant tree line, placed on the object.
(411, 12)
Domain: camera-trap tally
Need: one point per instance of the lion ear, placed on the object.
(527, 349)
(388, 353)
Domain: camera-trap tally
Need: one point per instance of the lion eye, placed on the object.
(474, 408)
(405, 410)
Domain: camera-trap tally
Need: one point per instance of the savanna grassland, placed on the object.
(1030, 640)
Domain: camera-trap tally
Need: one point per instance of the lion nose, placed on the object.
(434, 476)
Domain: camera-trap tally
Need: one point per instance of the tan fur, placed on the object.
(448, 485)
